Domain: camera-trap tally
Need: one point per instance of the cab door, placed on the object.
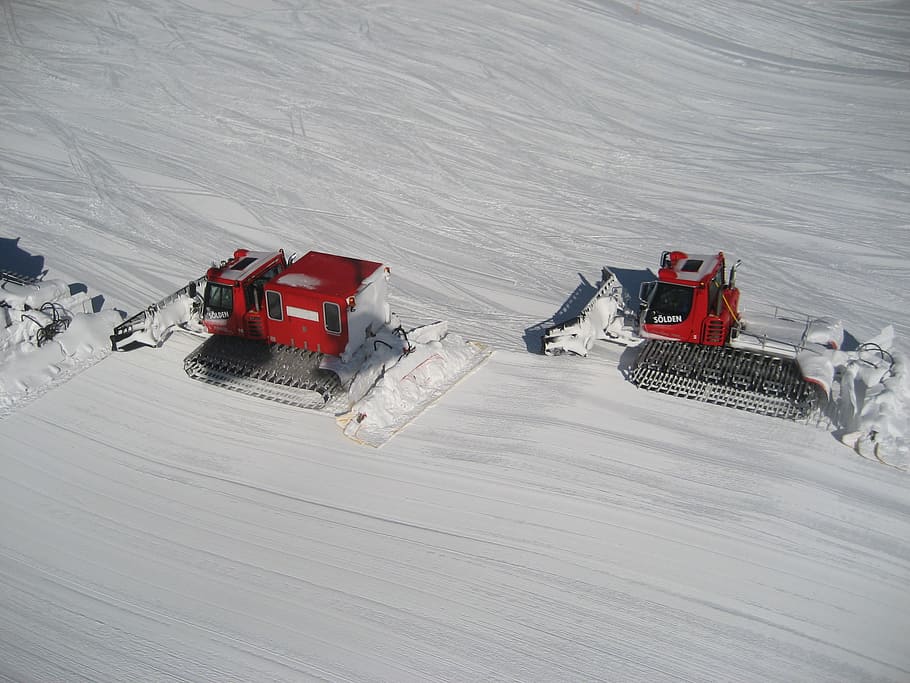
(255, 324)
(223, 308)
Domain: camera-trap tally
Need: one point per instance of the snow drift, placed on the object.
(47, 335)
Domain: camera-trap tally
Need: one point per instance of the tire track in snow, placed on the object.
(449, 578)
(491, 597)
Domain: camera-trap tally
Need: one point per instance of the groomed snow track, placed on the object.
(270, 371)
(726, 376)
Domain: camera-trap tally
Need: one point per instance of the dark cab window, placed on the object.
(331, 314)
(273, 303)
(670, 304)
(219, 300)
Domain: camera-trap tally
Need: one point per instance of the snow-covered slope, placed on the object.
(545, 520)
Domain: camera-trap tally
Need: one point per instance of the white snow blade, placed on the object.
(603, 317)
(391, 390)
(150, 327)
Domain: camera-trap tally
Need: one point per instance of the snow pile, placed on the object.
(825, 332)
(401, 376)
(299, 280)
(47, 335)
(871, 399)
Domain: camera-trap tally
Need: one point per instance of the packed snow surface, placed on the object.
(300, 280)
(541, 520)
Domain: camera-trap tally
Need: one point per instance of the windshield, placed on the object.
(219, 301)
(670, 304)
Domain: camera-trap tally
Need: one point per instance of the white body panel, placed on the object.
(302, 313)
(371, 311)
(786, 335)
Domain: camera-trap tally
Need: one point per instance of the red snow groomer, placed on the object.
(321, 302)
(690, 301)
(315, 332)
(280, 330)
(698, 345)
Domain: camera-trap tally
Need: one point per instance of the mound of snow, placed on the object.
(47, 335)
(872, 399)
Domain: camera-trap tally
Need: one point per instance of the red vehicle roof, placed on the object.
(685, 268)
(243, 264)
(339, 276)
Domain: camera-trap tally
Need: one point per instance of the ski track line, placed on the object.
(511, 637)
(117, 525)
(349, 511)
(435, 531)
(144, 610)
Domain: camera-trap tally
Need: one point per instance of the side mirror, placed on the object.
(644, 293)
(733, 273)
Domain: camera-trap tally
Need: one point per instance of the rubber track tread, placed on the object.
(725, 376)
(270, 371)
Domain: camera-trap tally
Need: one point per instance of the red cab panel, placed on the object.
(690, 301)
(233, 295)
(321, 302)
(308, 305)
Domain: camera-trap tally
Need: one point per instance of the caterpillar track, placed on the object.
(727, 376)
(275, 372)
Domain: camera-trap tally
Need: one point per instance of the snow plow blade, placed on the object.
(150, 327)
(390, 391)
(602, 318)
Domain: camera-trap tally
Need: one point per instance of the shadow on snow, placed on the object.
(19, 264)
(630, 280)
